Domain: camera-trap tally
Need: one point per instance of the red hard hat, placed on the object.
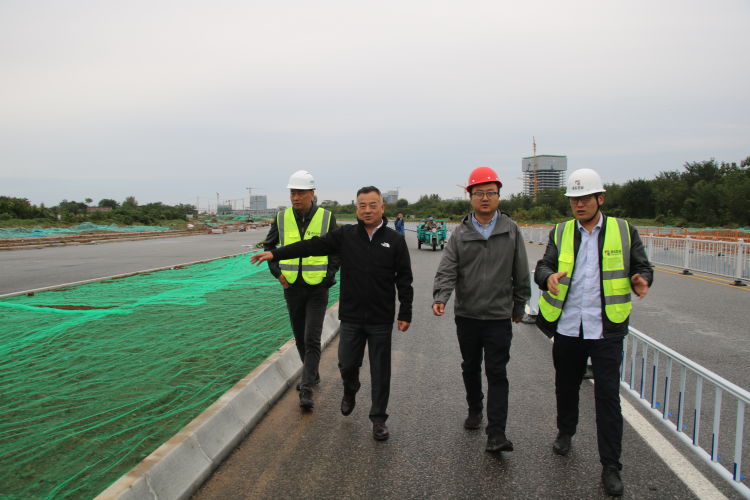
(480, 175)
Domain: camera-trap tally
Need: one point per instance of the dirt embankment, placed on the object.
(79, 239)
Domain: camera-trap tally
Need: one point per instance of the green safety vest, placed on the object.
(615, 270)
(313, 268)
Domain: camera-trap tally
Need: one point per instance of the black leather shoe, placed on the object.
(473, 421)
(561, 445)
(306, 399)
(347, 404)
(611, 480)
(379, 431)
(315, 382)
(498, 442)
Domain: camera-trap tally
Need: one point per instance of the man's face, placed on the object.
(485, 198)
(370, 208)
(585, 207)
(301, 198)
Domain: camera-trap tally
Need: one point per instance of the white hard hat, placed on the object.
(301, 179)
(582, 182)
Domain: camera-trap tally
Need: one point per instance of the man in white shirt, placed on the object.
(591, 265)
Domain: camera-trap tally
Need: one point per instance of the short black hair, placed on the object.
(369, 189)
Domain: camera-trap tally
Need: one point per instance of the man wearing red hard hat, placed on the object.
(485, 263)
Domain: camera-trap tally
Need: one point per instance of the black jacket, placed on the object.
(303, 220)
(371, 271)
(639, 264)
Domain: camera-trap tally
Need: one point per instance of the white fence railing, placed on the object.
(647, 372)
(730, 259)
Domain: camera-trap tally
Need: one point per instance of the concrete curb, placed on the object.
(179, 466)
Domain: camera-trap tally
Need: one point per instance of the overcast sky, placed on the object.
(176, 101)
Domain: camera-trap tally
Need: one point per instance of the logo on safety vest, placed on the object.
(616, 251)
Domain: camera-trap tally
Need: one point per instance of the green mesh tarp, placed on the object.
(93, 378)
(85, 227)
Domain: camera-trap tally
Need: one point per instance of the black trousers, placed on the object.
(307, 309)
(491, 339)
(352, 340)
(569, 356)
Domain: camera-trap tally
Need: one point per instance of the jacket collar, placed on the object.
(502, 225)
(306, 216)
(362, 230)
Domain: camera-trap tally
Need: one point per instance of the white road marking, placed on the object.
(685, 471)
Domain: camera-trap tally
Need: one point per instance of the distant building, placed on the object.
(391, 197)
(258, 202)
(550, 172)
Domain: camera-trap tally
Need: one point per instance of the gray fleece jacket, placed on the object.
(491, 277)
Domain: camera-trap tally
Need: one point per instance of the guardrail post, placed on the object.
(686, 260)
(697, 409)
(650, 246)
(737, 473)
(667, 387)
(681, 399)
(654, 381)
(717, 424)
(740, 263)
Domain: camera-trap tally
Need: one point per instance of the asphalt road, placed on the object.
(429, 455)
(29, 269)
(326, 455)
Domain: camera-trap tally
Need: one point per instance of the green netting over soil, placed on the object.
(93, 378)
(85, 227)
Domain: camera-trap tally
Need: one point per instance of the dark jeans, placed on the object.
(352, 340)
(491, 338)
(307, 309)
(569, 356)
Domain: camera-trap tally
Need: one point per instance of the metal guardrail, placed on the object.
(641, 375)
(730, 259)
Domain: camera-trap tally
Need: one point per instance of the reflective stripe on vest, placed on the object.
(313, 268)
(615, 270)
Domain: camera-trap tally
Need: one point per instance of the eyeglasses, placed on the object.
(582, 199)
(481, 194)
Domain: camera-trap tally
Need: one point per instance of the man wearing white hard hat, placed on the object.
(587, 273)
(306, 281)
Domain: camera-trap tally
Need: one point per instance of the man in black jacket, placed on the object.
(375, 264)
(587, 273)
(305, 281)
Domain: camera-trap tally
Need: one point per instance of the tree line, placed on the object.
(705, 193)
(107, 211)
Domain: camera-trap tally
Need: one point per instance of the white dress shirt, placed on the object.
(583, 304)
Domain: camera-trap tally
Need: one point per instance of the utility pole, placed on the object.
(217, 203)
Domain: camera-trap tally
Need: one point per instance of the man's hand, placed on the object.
(553, 280)
(517, 319)
(257, 258)
(403, 326)
(283, 281)
(640, 285)
(438, 308)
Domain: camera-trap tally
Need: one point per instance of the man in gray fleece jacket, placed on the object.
(485, 262)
